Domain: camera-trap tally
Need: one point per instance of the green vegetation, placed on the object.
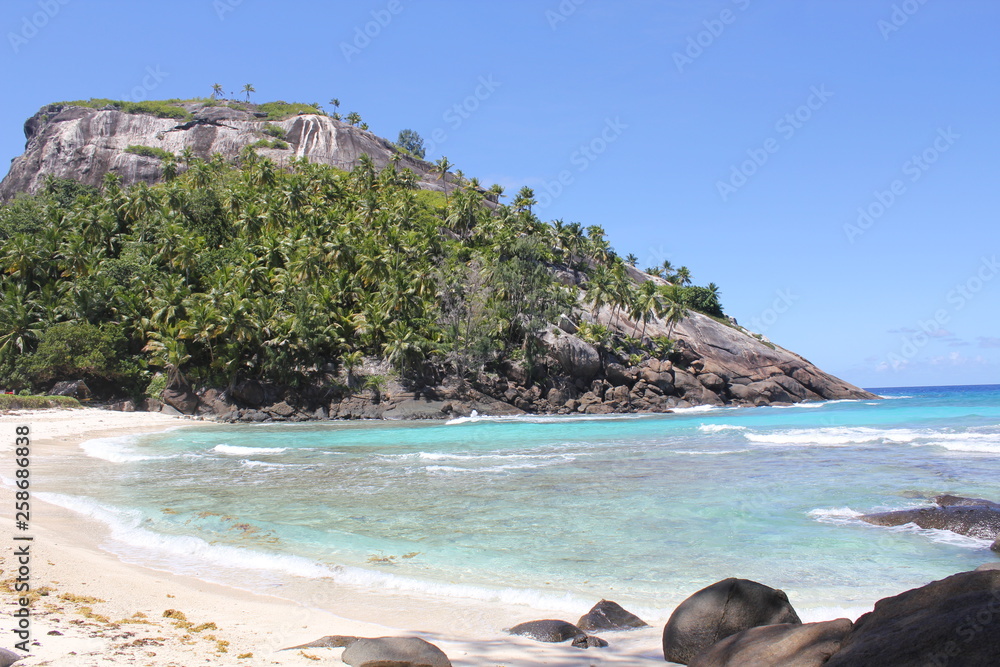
(270, 143)
(159, 108)
(281, 110)
(230, 271)
(273, 130)
(412, 143)
(11, 402)
(149, 151)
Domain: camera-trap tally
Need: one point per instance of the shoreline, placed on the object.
(108, 611)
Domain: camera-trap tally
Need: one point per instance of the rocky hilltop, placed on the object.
(84, 144)
(714, 361)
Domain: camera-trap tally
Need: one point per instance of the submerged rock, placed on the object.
(720, 610)
(970, 520)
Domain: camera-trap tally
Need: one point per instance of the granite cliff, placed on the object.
(84, 144)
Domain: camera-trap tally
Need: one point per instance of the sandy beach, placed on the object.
(90, 608)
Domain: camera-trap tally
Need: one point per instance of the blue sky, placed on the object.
(831, 165)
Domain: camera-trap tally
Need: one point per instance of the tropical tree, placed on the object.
(441, 168)
(354, 118)
(673, 306)
(216, 90)
(248, 88)
(411, 142)
(335, 103)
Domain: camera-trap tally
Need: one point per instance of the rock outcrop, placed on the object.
(608, 615)
(85, 144)
(948, 622)
(972, 517)
(720, 610)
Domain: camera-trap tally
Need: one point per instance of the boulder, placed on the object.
(974, 521)
(608, 615)
(75, 388)
(248, 392)
(784, 645)
(180, 398)
(577, 358)
(720, 610)
(952, 622)
(123, 406)
(548, 630)
(394, 651)
(8, 657)
(712, 382)
(618, 375)
(588, 641)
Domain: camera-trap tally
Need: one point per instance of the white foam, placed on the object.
(117, 449)
(718, 428)
(250, 463)
(481, 470)
(709, 452)
(243, 451)
(834, 436)
(835, 515)
(182, 550)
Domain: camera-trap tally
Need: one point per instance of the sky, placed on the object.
(831, 165)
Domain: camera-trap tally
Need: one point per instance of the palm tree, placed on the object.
(216, 90)
(631, 260)
(682, 277)
(248, 88)
(441, 168)
(647, 300)
(524, 200)
(673, 306)
(335, 103)
(353, 118)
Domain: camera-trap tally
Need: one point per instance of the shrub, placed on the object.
(158, 108)
(273, 130)
(149, 151)
(77, 351)
(281, 110)
(270, 143)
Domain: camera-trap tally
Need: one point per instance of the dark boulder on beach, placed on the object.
(784, 645)
(181, 399)
(953, 621)
(979, 521)
(608, 615)
(75, 388)
(720, 610)
(548, 630)
(395, 651)
(8, 658)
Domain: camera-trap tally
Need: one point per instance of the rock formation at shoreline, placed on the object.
(972, 517)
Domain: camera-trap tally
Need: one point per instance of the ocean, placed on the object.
(555, 512)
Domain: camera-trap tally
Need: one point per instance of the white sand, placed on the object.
(98, 610)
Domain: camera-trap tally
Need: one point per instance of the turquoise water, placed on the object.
(556, 511)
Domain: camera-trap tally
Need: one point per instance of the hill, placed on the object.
(190, 260)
